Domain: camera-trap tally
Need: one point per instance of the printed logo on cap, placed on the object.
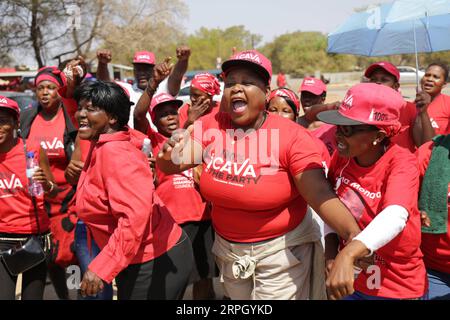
(143, 56)
(249, 56)
(348, 101)
(162, 97)
(309, 82)
(3, 100)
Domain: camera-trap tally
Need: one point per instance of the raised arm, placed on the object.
(104, 57)
(160, 72)
(175, 78)
(423, 131)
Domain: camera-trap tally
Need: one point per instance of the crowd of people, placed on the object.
(276, 193)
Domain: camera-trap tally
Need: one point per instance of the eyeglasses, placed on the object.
(348, 131)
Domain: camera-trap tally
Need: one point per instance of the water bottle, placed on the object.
(147, 147)
(34, 188)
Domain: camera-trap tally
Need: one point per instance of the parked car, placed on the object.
(184, 93)
(408, 74)
(23, 99)
(190, 74)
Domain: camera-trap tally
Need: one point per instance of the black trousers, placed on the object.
(33, 280)
(163, 278)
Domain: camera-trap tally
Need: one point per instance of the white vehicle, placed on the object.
(183, 94)
(408, 74)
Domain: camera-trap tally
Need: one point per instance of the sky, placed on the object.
(271, 18)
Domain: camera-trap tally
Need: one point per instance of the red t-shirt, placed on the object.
(16, 208)
(178, 191)
(183, 112)
(250, 180)
(366, 191)
(435, 247)
(407, 118)
(439, 113)
(327, 134)
(50, 136)
(115, 199)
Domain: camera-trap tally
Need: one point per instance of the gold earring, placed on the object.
(374, 143)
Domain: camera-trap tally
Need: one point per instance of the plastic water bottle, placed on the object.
(147, 147)
(34, 188)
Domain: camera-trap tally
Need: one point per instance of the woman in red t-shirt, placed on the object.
(434, 118)
(17, 212)
(142, 247)
(378, 181)
(266, 246)
(434, 203)
(48, 124)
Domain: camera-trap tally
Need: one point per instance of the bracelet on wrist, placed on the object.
(52, 186)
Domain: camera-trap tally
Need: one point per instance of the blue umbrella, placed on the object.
(400, 27)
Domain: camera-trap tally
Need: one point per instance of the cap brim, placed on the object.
(314, 91)
(143, 62)
(179, 103)
(227, 65)
(334, 117)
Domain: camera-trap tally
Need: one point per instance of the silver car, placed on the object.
(408, 74)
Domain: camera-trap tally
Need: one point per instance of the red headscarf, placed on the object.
(207, 83)
(52, 74)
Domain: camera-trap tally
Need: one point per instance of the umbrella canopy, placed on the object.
(401, 27)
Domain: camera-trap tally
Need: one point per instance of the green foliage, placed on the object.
(209, 44)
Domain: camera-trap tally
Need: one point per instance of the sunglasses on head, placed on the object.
(348, 131)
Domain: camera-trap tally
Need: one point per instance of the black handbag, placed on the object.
(25, 256)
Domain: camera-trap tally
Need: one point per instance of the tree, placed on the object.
(34, 24)
(56, 28)
(301, 53)
(210, 44)
(143, 25)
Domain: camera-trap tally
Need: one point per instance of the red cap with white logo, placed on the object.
(250, 58)
(161, 99)
(367, 103)
(10, 105)
(146, 57)
(387, 66)
(313, 85)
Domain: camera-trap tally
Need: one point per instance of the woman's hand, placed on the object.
(73, 171)
(422, 101)
(176, 142)
(424, 219)
(341, 276)
(40, 177)
(91, 284)
(160, 72)
(198, 109)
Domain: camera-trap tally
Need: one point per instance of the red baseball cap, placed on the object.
(287, 94)
(10, 105)
(250, 58)
(313, 85)
(146, 57)
(366, 103)
(161, 99)
(387, 66)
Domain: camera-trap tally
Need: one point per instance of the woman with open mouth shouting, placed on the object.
(266, 246)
